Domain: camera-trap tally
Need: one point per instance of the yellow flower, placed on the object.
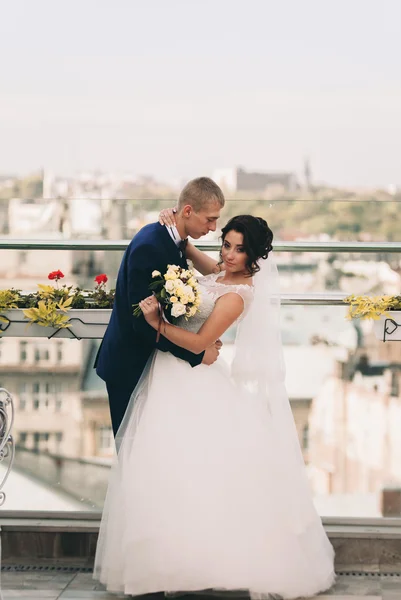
(370, 307)
(191, 311)
(173, 299)
(156, 273)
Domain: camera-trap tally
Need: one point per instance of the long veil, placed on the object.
(258, 367)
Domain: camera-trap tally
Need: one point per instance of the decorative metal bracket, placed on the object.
(7, 446)
(390, 326)
(5, 325)
(74, 335)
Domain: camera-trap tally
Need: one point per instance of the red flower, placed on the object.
(101, 279)
(56, 275)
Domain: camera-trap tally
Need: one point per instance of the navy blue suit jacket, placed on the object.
(129, 341)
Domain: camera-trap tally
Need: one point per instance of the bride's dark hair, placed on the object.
(258, 238)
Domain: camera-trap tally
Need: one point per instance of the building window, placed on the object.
(41, 353)
(105, 439)
(22, 438)
(59, 352)
(36, 404)
(41, 441)
(58, 404)
(22, 258)
(36, 387)
(22, 351)
(59, 438)
(395, 384)
(305, 437)
(22, 390)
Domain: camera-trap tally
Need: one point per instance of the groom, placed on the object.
(129, 341)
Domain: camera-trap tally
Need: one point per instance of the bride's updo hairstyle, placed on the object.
(258, 238)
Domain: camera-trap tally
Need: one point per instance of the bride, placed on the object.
(209, 491)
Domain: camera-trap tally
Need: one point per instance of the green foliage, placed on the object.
(50, 314)
(337, 213)
(8, 300)
(100, 298)
(371, 307)
(29, 187)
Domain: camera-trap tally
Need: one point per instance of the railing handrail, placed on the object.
(316, 298)
(279, 246)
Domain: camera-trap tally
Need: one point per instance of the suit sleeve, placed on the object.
(140, 264)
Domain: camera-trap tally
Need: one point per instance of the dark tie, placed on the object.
(183, 245)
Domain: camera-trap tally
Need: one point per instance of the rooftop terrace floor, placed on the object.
(30, 585)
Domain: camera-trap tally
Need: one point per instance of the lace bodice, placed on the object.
(211, 290)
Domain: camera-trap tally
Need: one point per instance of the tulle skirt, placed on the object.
(206, 495)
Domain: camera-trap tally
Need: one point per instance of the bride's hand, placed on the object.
(167, 217)
(150, 309)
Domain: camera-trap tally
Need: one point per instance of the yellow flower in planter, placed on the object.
(48, 314)
(371, 307)
(8, 300)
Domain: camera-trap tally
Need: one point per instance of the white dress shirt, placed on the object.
(173, 233)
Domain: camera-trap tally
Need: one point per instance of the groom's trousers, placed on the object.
(119, 395)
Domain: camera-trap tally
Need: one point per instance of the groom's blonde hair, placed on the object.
(199, 192)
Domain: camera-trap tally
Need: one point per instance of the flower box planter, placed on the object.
(388, 328)
(85, 324)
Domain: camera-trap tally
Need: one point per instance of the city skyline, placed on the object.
(177, 90)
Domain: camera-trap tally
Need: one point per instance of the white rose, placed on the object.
(171, 274)
(188, 291)
(170, 286)
(179, 288)
(156, 273)
(178, 310)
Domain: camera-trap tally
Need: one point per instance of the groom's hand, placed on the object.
(212, 353)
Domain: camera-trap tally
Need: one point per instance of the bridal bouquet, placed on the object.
(177, 291)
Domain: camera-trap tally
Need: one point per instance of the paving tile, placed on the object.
(85, 582)
(31, 594)
(347, 597)
(30, 580)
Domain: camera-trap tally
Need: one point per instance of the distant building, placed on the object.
(236, 179)
(61, 405)
(355, 422)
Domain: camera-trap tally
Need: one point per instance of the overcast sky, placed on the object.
(176, 88)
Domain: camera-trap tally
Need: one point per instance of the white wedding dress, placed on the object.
(202, 496)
